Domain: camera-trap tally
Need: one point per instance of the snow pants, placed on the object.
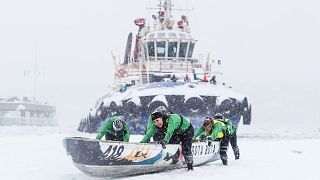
(224, 143)
(186, 143)
(234, 145)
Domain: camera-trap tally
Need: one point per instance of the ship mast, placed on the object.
(167, 22)
(167, 9)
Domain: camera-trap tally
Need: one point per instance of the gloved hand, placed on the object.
(194, 140)
(163, 143)
(209, 139)
(202, 138)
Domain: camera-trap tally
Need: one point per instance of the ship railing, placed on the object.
(150, 30)
(162, 66)
(174, 59)
(170, 66)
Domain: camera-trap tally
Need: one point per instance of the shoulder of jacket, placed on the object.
(218, 122)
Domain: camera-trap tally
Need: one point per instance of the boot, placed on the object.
(224, 157)
(175, 159)
(236, 152)
(224, 162)
(237, 156)
(190, 167)
(189, 160)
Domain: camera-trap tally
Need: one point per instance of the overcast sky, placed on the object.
(270, 50)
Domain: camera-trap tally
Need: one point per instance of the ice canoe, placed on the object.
(102, 158)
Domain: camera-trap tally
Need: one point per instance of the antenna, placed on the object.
(35, 72)
(114, 59)
(165, 17)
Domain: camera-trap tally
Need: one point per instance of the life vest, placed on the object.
(220, 134)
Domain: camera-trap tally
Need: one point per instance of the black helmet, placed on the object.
(218, 116)
(118, 123)
(160, 111)
(156, 115)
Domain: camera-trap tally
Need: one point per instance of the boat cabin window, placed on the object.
(172, 35)
(151, 48)
(191, 47)
(172, 49)
(183, 49)
(161, 49)
(161, 35)
(183, 35)
(151, 35)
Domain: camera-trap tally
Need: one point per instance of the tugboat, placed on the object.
(162, 71)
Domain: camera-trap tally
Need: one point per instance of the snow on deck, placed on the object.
(190, 89)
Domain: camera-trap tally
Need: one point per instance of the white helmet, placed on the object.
(219, 117)
(118, 123)
(160, 109)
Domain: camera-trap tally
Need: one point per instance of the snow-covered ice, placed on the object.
(273, 58)
(38, 153)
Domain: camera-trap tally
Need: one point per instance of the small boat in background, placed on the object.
(26, 112)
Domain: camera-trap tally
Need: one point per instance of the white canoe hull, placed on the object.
(116, 159)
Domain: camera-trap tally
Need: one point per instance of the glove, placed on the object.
(163, 143)
(209, 141)
(194, 140)
(202, 138)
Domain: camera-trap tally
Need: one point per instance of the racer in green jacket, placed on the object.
(160, 132)
(115, 129)
(232, 133)
(178, 130)
(215, 130)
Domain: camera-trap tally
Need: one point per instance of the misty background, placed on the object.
(270, 52)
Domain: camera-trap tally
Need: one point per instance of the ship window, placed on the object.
(172, 35)
(151, 35)
(183, 49)
(161, 35)
(161, 49)
(172, 49)
(151, 48)
(182, 35)
(191, 46)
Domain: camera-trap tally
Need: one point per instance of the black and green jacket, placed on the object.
(150, 123)
(231, 127)
(108, 128)
(175, 124)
